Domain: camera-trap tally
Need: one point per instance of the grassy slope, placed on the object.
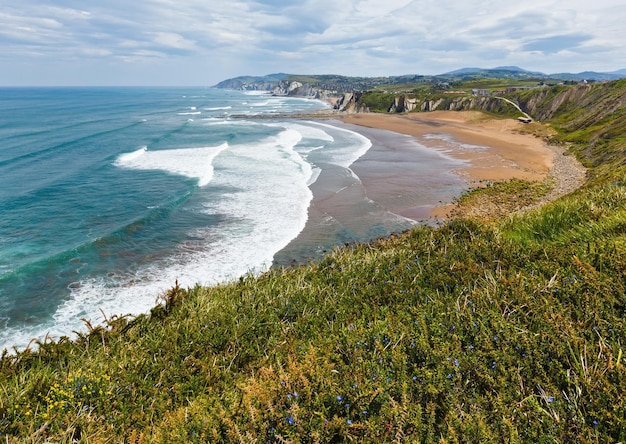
(471, 332)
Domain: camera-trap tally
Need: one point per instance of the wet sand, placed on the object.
(506, 154)
(417, 165)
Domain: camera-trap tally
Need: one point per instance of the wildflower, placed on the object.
(289, 420)
(550, 399)
(349, 422)
(456, 362)
(339, 398)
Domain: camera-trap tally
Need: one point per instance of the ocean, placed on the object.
(109, 196)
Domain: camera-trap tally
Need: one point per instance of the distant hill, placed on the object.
(517, 72)
(239, 82)
(316, 85)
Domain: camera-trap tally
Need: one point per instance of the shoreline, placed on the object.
(418, 164)
(504, 153)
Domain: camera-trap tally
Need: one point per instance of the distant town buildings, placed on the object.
(481, 92)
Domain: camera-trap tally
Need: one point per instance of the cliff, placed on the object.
(279, 85)
(408, 104)
(350, 103)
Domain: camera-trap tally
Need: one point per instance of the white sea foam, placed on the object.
(268, 202)
(235, 122)
(357, 145)
(259, 104)
(307, 132)
(265, 209)
(190, 162)
(128, 157)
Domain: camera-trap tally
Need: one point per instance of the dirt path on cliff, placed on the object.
(567, 175)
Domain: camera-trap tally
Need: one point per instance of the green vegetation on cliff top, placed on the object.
(470, 332)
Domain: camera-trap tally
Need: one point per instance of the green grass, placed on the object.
(505, 332)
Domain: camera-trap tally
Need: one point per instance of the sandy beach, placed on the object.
(504, 153)
(417, 165)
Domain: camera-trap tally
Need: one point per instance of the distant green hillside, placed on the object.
(467, 77)
(592, 118)
(471, 332)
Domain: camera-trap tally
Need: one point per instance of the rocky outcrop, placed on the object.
(403, 104)
(349, 103)
(282, 88)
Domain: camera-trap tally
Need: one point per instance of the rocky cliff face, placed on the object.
(402, 104)
(605, 100)
(349, 103)
(281, 88)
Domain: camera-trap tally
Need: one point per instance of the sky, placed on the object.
(201, 42)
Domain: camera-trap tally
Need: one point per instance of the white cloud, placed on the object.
(173, 40)
(353, 37)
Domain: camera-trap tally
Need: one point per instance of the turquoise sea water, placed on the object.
(108, 196)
